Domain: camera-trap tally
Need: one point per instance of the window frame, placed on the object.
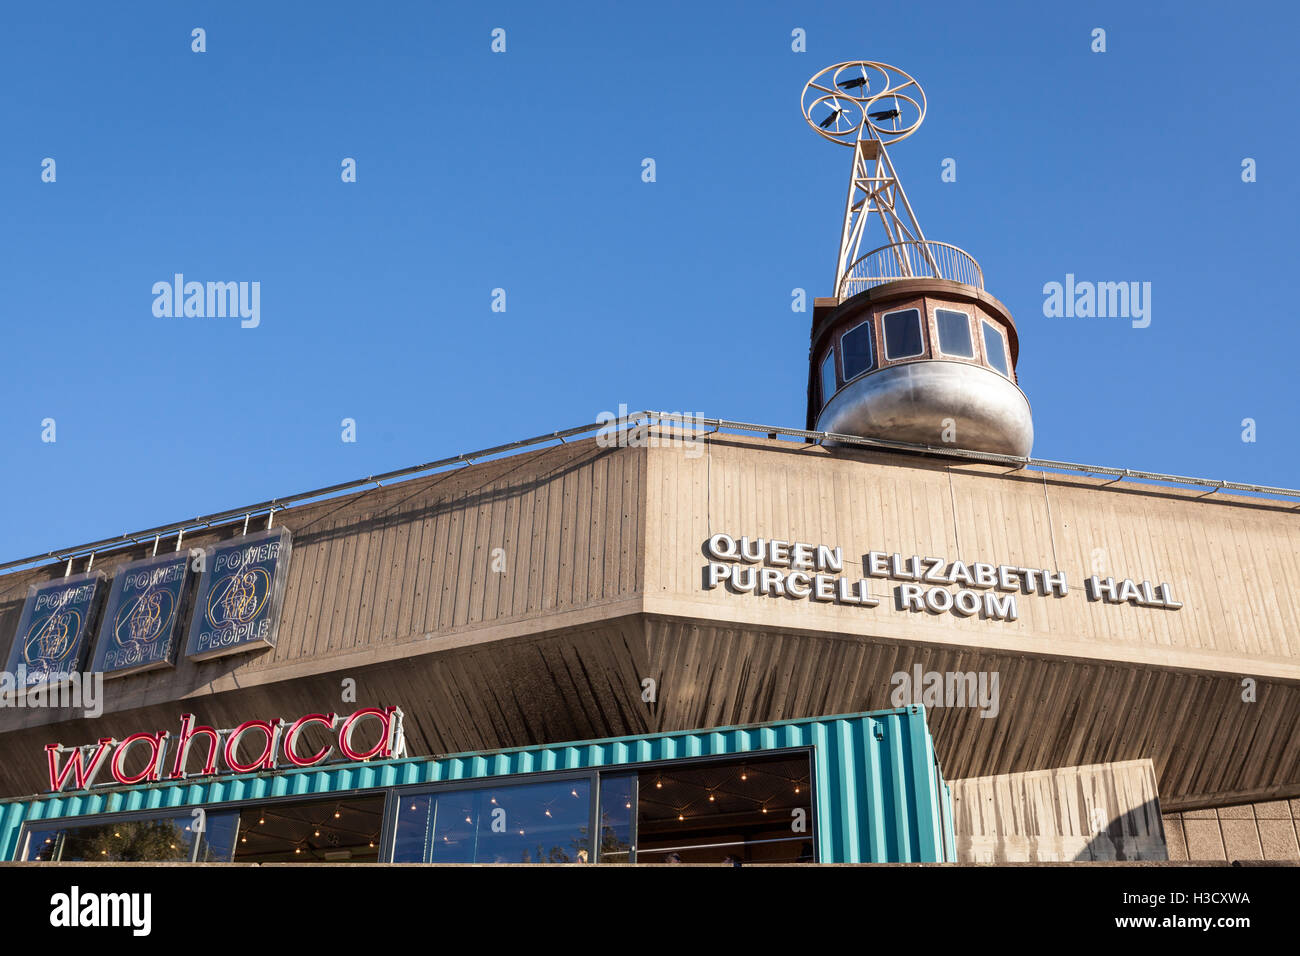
(1006, 349)
(870, 326)
(821, 375)
(938, 335)
(921, 330)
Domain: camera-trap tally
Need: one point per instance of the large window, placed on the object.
(756, 808)
(855, 351)
(903, 334)
(954, 333)
(828, 376)
(342, 830)
(180, 838)
(995, 349)
(499, 823)
(753, 810)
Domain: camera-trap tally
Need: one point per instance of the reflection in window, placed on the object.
(994, 349)
(903, 334)
(153, 840)
(954, 333)
(828, 376)
(520, 823)
(617, 811)
(855, 349)
(756, 810)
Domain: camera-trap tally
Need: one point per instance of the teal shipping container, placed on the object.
(844, 789)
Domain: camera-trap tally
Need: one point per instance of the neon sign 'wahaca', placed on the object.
(277, 739)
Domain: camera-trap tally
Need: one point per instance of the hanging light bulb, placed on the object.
(574, 791)
(318, 833)
(262, 821)
(297, 849)
(243, 839)
(548, 813)
(659, 784)
(710, 796)
(336, 814)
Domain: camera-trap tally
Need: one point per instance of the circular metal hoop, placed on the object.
(839, 101)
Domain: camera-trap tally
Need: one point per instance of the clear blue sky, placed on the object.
(523, 171)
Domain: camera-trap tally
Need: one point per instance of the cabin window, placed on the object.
(855, 347)
(995, 349)
(828, 376)
(954, 333)
(903, 334)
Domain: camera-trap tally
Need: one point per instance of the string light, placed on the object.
(318, 833)
(262, 822)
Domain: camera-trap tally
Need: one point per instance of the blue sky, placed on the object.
(522, 171)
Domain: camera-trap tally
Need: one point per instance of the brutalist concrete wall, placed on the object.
(1248, 831)
(1067, 814)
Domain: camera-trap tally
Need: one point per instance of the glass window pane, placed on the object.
(828, 377)
(152, 840)
(342, 830)
(755, 810)
(855, 346)
(505, 823)
(617, 810)
(903, 334)
(995, 349)
(954, 333)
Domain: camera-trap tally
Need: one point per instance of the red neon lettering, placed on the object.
(188, 732)
(151, 772)
(291, 739)
(81, 773)
(266, 759)
(385, 746)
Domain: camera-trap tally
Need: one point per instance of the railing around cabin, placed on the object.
(912, 259)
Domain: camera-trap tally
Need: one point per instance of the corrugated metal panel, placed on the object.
(878, 790)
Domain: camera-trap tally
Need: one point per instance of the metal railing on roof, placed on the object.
(704, 426)
(912, 259)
